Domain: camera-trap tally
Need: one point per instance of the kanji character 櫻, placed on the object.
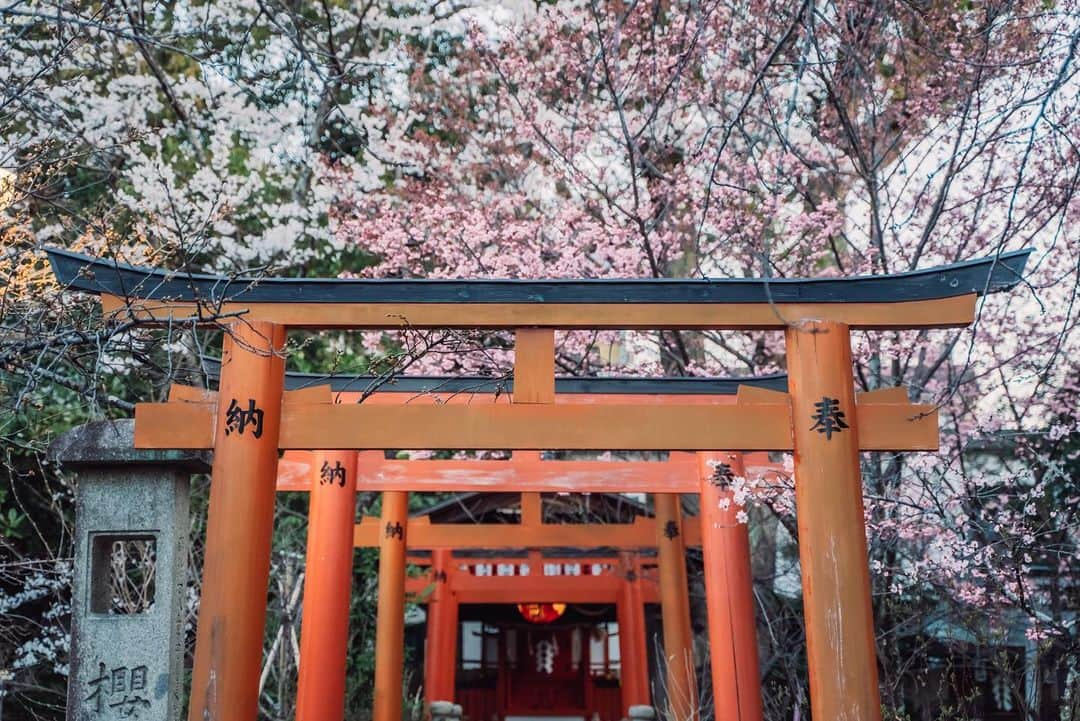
(122, 684)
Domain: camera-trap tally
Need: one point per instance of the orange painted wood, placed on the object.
(443, 398)
(311, 394)
(677, 475)
(894, 395)
(232, 610)
(840, 644)
(153, 422)
(324, 631)
(681, 676)
(729, 595)
(633, 649)
(390, 624)
(538, 427)
(534, 365)
(538, 589)
(323, 394)
(440, 659)
(535, 587)
(532, 509)
(568, 589)
(752, 394)
(182, 393)
(423, 559)
(425, 535)
(294, 471)
(883, 427)
(954, 312)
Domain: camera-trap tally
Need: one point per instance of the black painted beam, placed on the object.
(478, 384)
(93, 275)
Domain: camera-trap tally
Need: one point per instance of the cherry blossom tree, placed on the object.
(660, 139)
(582, 139)
(182, 134)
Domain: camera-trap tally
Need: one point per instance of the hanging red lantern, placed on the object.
(541, 612)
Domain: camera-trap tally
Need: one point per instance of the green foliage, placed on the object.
(11, 522)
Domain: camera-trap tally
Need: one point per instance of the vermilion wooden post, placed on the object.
(675, 608)
(633, 650)
(390, 622)
(236, 567)
(534, 365)
(832, 536)
(440, 660)
(729, 592)
(324, 632)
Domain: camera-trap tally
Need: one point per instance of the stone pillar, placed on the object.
(642, 713)
(126, 657)
(444, 711)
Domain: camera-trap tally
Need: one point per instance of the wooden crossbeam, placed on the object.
(895, 394)
(422, 534)
(750, 426)
(322, 393)
(529, 589)
(535, 560)
(678, 474)
(536, 586)
(955, 312)
(564, 589)
(452, 476)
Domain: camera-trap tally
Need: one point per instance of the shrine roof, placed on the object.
(102, 276)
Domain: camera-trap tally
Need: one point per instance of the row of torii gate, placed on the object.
(251, 419)
(723, 539)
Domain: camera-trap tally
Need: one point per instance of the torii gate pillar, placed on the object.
(840, 645)
(675, 610)
(633, 649)
(236, 569)
(324, 630)
(390, 626)
(440, 658)
(729, 593)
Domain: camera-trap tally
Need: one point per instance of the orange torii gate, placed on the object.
(726, 544)
(818, 420)
(725, 541)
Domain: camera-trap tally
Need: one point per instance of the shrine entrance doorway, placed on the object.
(563, 664)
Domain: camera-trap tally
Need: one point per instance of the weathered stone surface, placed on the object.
(113, 443)
(445, 711)
(126, 665)
(645, 713)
